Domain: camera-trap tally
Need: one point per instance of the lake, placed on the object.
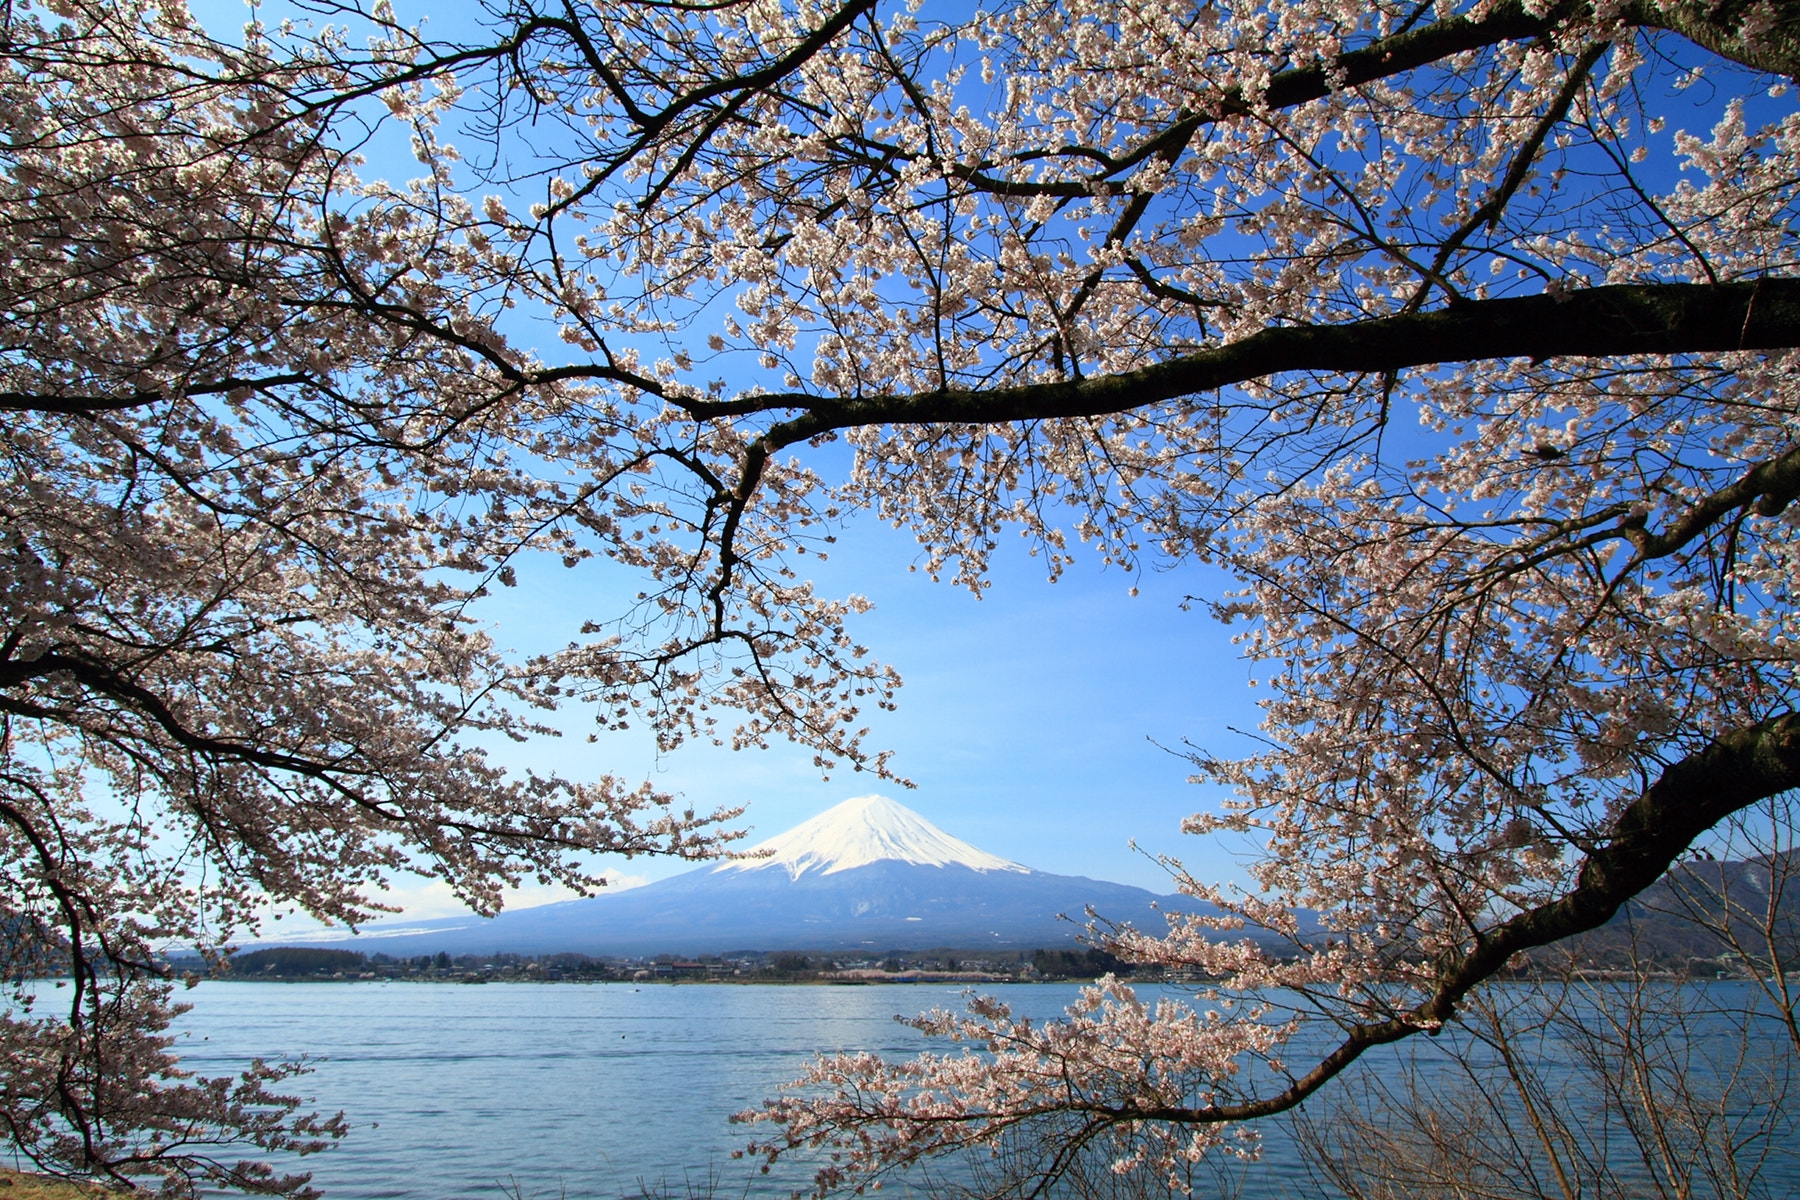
(553, 1090)
(561, 1091)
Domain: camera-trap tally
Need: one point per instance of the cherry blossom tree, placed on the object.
(243, 526)
(1459, 332)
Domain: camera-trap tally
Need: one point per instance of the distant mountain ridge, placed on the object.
(872, 875)
(1705, 908)
(868, 874)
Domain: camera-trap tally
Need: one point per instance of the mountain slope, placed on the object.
(1707, 908)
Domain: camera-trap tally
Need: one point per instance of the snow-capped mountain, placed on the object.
(867, 829)
(866, 874)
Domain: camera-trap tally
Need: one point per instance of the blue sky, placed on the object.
(1032, 720)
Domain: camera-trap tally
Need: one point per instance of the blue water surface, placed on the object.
(568, 1091)
(555, 1089)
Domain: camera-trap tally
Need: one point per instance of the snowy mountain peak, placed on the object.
(866, 830)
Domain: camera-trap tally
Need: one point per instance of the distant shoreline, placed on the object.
(940, 966)
(731, 981)
(1591, 976)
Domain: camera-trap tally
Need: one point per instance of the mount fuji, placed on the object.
(866, 874)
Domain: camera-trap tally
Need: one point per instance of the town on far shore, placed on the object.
(944, 965)
(299, 964)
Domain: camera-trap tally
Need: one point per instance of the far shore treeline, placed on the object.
(281, 963)
(1597, 958)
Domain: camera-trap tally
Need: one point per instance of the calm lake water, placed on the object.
(601, 1091)
(583, 1091)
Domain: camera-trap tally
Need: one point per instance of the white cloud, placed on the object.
(430, 899)
(421, 899)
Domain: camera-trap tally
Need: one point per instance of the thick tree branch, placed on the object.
(135, 696)
(1693, 795)
(1621, 319)
(1762, 35)
(1602, 322)
(1769, 487)
(68, 405)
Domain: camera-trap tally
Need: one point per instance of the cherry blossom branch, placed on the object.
(1719, 29)
(1768, 488)
(1607, 321)
(1382, 58)
(1491, 209)
(1693, 795)
(49, 402)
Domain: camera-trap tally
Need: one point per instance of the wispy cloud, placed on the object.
(421, 899)
(430, 900)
